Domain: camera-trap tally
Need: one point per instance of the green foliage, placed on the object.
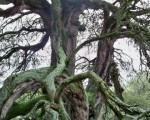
(90, 96)
(137, 92)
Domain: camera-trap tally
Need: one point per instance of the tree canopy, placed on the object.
(61, 28)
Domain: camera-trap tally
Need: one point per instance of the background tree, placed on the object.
(56, 92)
(137, 91)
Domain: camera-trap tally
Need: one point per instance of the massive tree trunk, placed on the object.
(62, 95)
(77, 106)
(102, 64)
(74, 100)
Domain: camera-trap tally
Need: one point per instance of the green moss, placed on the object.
(23, 108)
(14, 80)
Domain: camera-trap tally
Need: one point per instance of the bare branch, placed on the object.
(24, 29)
(33, 48)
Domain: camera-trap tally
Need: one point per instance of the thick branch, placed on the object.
(11, 82)
(140, 12)
(49, 80)
(113, 34)
(23, 107)
(19, 5)
(20, 89)
(111, 99)
(11, 11)
(94, 4)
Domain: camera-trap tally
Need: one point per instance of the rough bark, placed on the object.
(102, 63)
(114, 74)
(65, 97)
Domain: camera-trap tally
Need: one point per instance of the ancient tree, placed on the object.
(55, 92)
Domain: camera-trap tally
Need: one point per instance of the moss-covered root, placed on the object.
(118, 106)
